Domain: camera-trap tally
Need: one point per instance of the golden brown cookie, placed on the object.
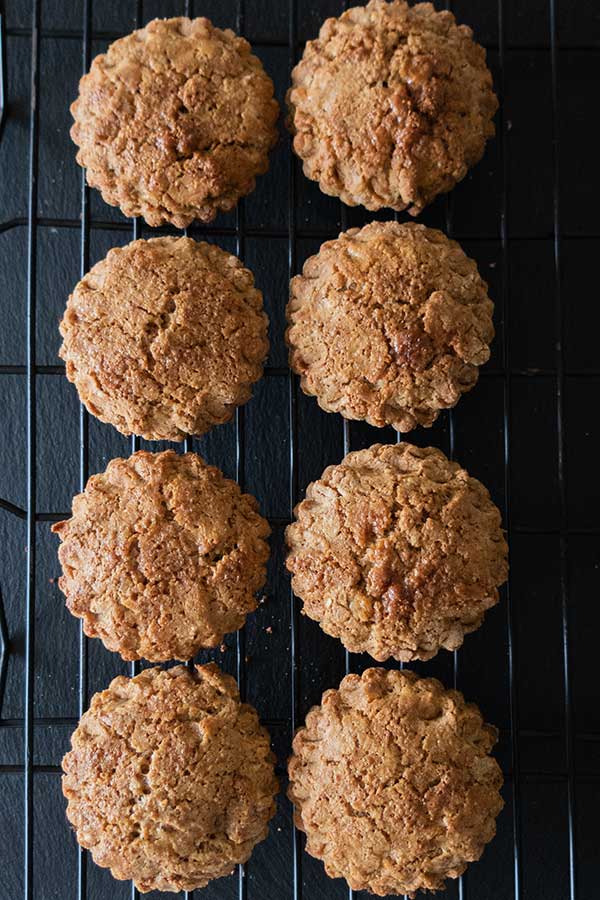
(165, 337)
(393, 783)
(163, 556)
(170, 780)
(391, 105)
(389, 323)
(175, 121)
(397, 551)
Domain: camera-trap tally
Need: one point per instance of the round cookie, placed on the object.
(165, 337)
(175, 121)
(162, 557)
(391, 105)
(170, 780)
(397, 551)
(393, 783)
(389, 323)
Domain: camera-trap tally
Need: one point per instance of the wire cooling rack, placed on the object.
(529, 431)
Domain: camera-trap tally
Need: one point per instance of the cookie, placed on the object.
(170, 780)
(164, 338)
(175, 121)
(397, 551)
(393, 783)
(391, 105)
(389, 323)
(162, 557)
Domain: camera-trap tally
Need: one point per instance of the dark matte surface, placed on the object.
(528, 214)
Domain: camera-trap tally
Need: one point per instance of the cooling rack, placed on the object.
(529, 431)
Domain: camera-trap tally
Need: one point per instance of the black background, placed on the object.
(529, 430)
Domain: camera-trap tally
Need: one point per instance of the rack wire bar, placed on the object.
(136, 228)
(28, 735)
(71, 721)
(462, 884)
(240, 638)
(513, 699)
(279, 371)
(293, 482)
(262, 40)
(84, 432)
(187, 444)
(346, 442)
(215, 231)
(560, 426)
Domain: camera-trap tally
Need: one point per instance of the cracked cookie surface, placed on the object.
(391, 105)
(175, 121)
(163, 556)
(170, 779)
(393, 784)
(165, 337)
(389, 323)
(397, 551)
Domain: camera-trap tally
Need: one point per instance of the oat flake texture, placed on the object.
(389, 323)
(170, 779)
(397, 551)
(393, 783)
(391, 105)
(162, 556)
(175, 121)
(165, 337)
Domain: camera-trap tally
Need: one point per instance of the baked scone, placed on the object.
(393, 783)
(397, 551)
(175, 121)
(389, 323)
(163, 556)
(391, 105)
(170, 780)
(165, 337)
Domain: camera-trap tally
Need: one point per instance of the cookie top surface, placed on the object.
(393, 784)
(165, 337)
(163, 556)
(397, 551)
(170, 780)
(389, 323)
(175, 121)
(391, 105)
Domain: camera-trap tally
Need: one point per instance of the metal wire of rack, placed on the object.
(296, 875)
